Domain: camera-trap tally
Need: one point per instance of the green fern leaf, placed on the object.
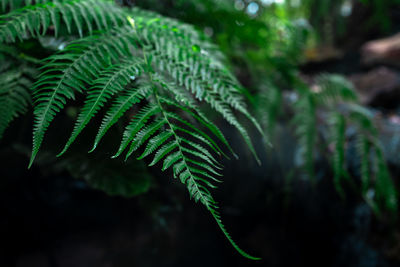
(221, 99)
(136, 125)
(60, 80)
(160, 66)
(33, 18)
(110, 82)
(121, 105)
(378, 188)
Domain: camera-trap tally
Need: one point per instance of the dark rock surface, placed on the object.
(382, 51)
(379, 87)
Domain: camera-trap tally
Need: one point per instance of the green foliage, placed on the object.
(381, 12)
(326, 17)
(15, 80)
(338, 138)
(323, 114)
(261, 46)
(305, 123)
(377, 186)
(336, 95)
(151, 69)
(7, 5)
(266, 47)
(328, 92)
(270, 99)
(152, 77)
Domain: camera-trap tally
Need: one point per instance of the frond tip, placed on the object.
(217, 217)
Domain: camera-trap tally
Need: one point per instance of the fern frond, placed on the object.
(69, 72)
(73, 14)
(228, 115)
(191, 69)
(383, 194)
(14, 96)
(305, 129)
(182, 156)
(269, 103)
(160, 66)
(111, 81)
(221, 100)
(217, 217)
(143, 133)
(182, 97)
(338, 139)
(328, 92)
(124, 102)
(333, 89)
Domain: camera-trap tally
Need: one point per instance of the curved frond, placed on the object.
(377, 186)
(164, 138)
(129, 59)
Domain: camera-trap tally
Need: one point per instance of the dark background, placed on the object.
(50, 219)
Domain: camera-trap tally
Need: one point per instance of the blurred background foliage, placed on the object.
(280, 50)
(326, 193)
